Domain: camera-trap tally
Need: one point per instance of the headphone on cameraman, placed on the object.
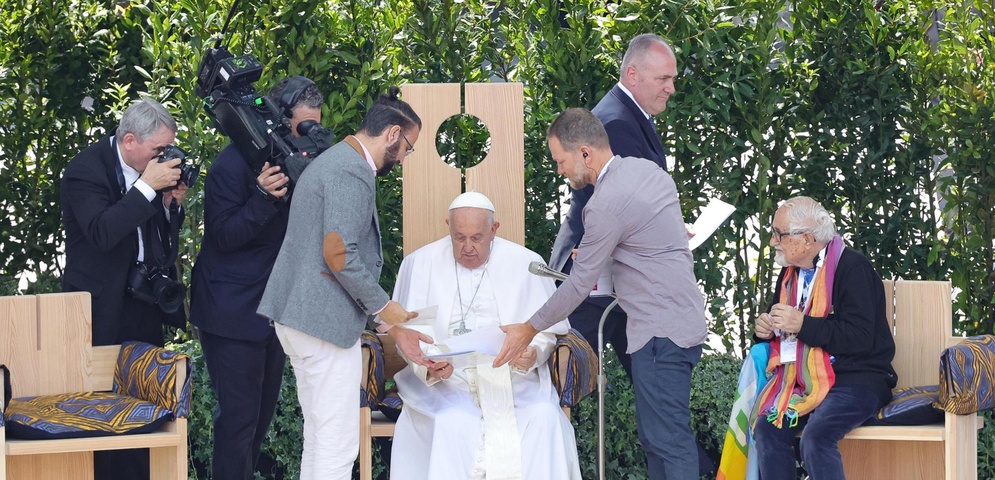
(292, 92)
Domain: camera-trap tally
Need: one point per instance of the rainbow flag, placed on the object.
(738, 459)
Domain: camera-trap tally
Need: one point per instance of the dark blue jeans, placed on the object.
(845, 407)
(661, 378)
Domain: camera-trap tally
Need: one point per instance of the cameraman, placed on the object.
(245, 222)
(116, 199)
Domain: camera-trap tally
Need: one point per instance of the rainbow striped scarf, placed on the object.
(796, 388)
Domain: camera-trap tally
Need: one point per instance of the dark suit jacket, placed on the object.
(630, 135)
(243, 231)
(101, 224)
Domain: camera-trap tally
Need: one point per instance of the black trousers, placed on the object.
(246, 377)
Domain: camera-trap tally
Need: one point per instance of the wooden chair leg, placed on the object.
(365, 444)
(168, 463)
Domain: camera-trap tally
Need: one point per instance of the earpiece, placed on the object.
(584, 154)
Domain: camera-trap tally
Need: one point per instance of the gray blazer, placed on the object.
(634, 218)
(334, 211)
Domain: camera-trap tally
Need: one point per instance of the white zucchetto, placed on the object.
(472, 200)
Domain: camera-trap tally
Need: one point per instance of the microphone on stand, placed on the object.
(540, 269)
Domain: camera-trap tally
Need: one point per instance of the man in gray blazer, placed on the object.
(632, 222)
(325, 283)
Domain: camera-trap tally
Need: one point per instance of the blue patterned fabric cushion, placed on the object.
(77, 415)
(581, 371)
(967, 375)
(149, 373)
(372, 393)
(910, 406)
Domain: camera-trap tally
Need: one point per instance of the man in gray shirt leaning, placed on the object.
(632, 222)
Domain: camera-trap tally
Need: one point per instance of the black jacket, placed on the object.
(101, 223)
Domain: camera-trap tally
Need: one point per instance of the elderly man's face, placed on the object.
(138, 153)
(791, 248)
(471, 232)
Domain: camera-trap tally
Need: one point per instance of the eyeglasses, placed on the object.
(776, 234)
(411, 148)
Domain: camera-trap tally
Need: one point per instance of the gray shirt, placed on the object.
(633, 222)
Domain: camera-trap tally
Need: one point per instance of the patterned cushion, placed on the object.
(148, 372)
(967, 373)
(76, 415)
(373, 392)
(910, 406)
(581, 371)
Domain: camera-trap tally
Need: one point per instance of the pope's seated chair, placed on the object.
(573, 367)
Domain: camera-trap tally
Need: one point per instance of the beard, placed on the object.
(579, 179)
(391, 157)
(779, 259)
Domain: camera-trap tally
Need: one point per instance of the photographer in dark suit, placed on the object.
(245, 222)
(121, 210)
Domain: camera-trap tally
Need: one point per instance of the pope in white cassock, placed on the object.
(466, 419)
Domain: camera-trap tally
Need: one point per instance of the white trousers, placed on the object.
(328, 379)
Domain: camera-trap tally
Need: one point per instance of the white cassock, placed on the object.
(442, 433)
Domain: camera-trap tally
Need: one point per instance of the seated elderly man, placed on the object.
(826, 325)
(466, 419)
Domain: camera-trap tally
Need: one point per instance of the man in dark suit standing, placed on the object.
(245, 221)
(118, 209)
(646, 81)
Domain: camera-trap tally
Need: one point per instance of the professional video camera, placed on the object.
(259, 129)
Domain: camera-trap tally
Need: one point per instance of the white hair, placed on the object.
(807, 215)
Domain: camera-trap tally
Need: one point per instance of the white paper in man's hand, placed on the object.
(711, 218)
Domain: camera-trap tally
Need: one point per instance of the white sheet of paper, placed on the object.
(487, 340)
(711, 218)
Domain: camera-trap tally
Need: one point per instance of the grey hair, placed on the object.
(144, 118)
(807, 215)
(639, 48)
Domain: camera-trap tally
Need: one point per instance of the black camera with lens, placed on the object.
(152, 285)
(188, 171)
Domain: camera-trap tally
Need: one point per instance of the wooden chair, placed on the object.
(921, 313)
(45, 340)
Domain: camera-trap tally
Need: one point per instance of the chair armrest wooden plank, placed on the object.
(119, 442)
